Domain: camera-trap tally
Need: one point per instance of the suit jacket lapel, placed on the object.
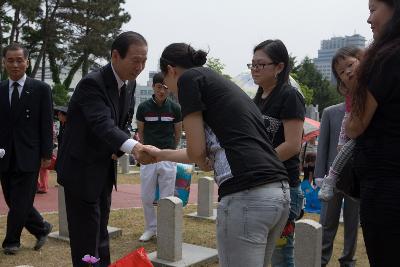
(111, 89)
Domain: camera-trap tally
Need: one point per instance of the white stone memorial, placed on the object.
(63, 234)
(205, 200)
(308, 243)
(124, 163)
(170, 249)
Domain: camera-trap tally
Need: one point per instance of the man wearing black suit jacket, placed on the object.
(26, 134)
(95, 133)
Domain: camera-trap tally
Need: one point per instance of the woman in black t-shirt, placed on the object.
(283, 111)
(375, 124)
(225, 128)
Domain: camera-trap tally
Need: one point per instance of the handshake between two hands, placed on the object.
(146, 154)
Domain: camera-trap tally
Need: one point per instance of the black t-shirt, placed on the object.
(235, 133)
(159, 122)
(380, 143)
(283, 103)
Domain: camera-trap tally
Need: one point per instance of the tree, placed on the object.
(69, 34)
(217, 66)
(324, 94)
(47, 30)
(95, 23)
(307, 92)
(292, 63)
(24, 12)
(60, 95)
(5, 26)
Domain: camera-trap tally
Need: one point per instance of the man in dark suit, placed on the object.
(95, 133)
(26, 121)
(330, 210)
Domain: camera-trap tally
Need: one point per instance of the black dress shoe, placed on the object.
(11, 250)
(42, 240)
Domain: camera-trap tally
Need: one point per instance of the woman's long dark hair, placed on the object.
(276, 50)
(378, 54)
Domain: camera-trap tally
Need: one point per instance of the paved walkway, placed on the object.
(127, 196)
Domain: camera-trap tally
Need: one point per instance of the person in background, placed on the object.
(62, 118)
(224, 129)
(26, 118)
(43, 180)
(159, 123)
(308, 156)
(375, 124)
(332, 118)
(283, 110)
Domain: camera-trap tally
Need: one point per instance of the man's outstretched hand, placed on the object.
(154, 152)
(141, 154)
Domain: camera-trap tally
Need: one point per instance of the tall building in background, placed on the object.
(328, 50)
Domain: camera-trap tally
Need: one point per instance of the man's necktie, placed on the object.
(15, 97)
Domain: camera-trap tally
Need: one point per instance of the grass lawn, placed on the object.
(199, 232)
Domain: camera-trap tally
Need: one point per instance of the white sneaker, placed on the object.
(147, 235)
(328, 184)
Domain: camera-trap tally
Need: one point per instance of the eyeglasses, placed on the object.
(259, 66)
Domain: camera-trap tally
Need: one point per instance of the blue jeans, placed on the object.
(284, 256)
(249, 223)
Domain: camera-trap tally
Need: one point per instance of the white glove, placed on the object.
(2, 153)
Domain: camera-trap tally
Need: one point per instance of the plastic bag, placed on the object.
(182, 183)
(137, 258)
(312, 203)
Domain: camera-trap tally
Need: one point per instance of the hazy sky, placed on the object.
(230, 29)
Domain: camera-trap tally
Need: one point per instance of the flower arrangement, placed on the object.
(90, 260)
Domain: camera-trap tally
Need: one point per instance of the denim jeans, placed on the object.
(284, 256)
(249, 223)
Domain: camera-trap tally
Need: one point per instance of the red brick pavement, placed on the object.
(127, 196)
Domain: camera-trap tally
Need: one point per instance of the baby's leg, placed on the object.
(329, 182)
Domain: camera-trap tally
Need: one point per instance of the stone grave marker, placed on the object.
(170, 249)
(308, 243)
(205, 200)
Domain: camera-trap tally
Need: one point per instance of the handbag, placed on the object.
(348, 183)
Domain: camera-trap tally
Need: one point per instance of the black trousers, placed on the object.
(380, 220)
(87, 226)
(19, 190)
